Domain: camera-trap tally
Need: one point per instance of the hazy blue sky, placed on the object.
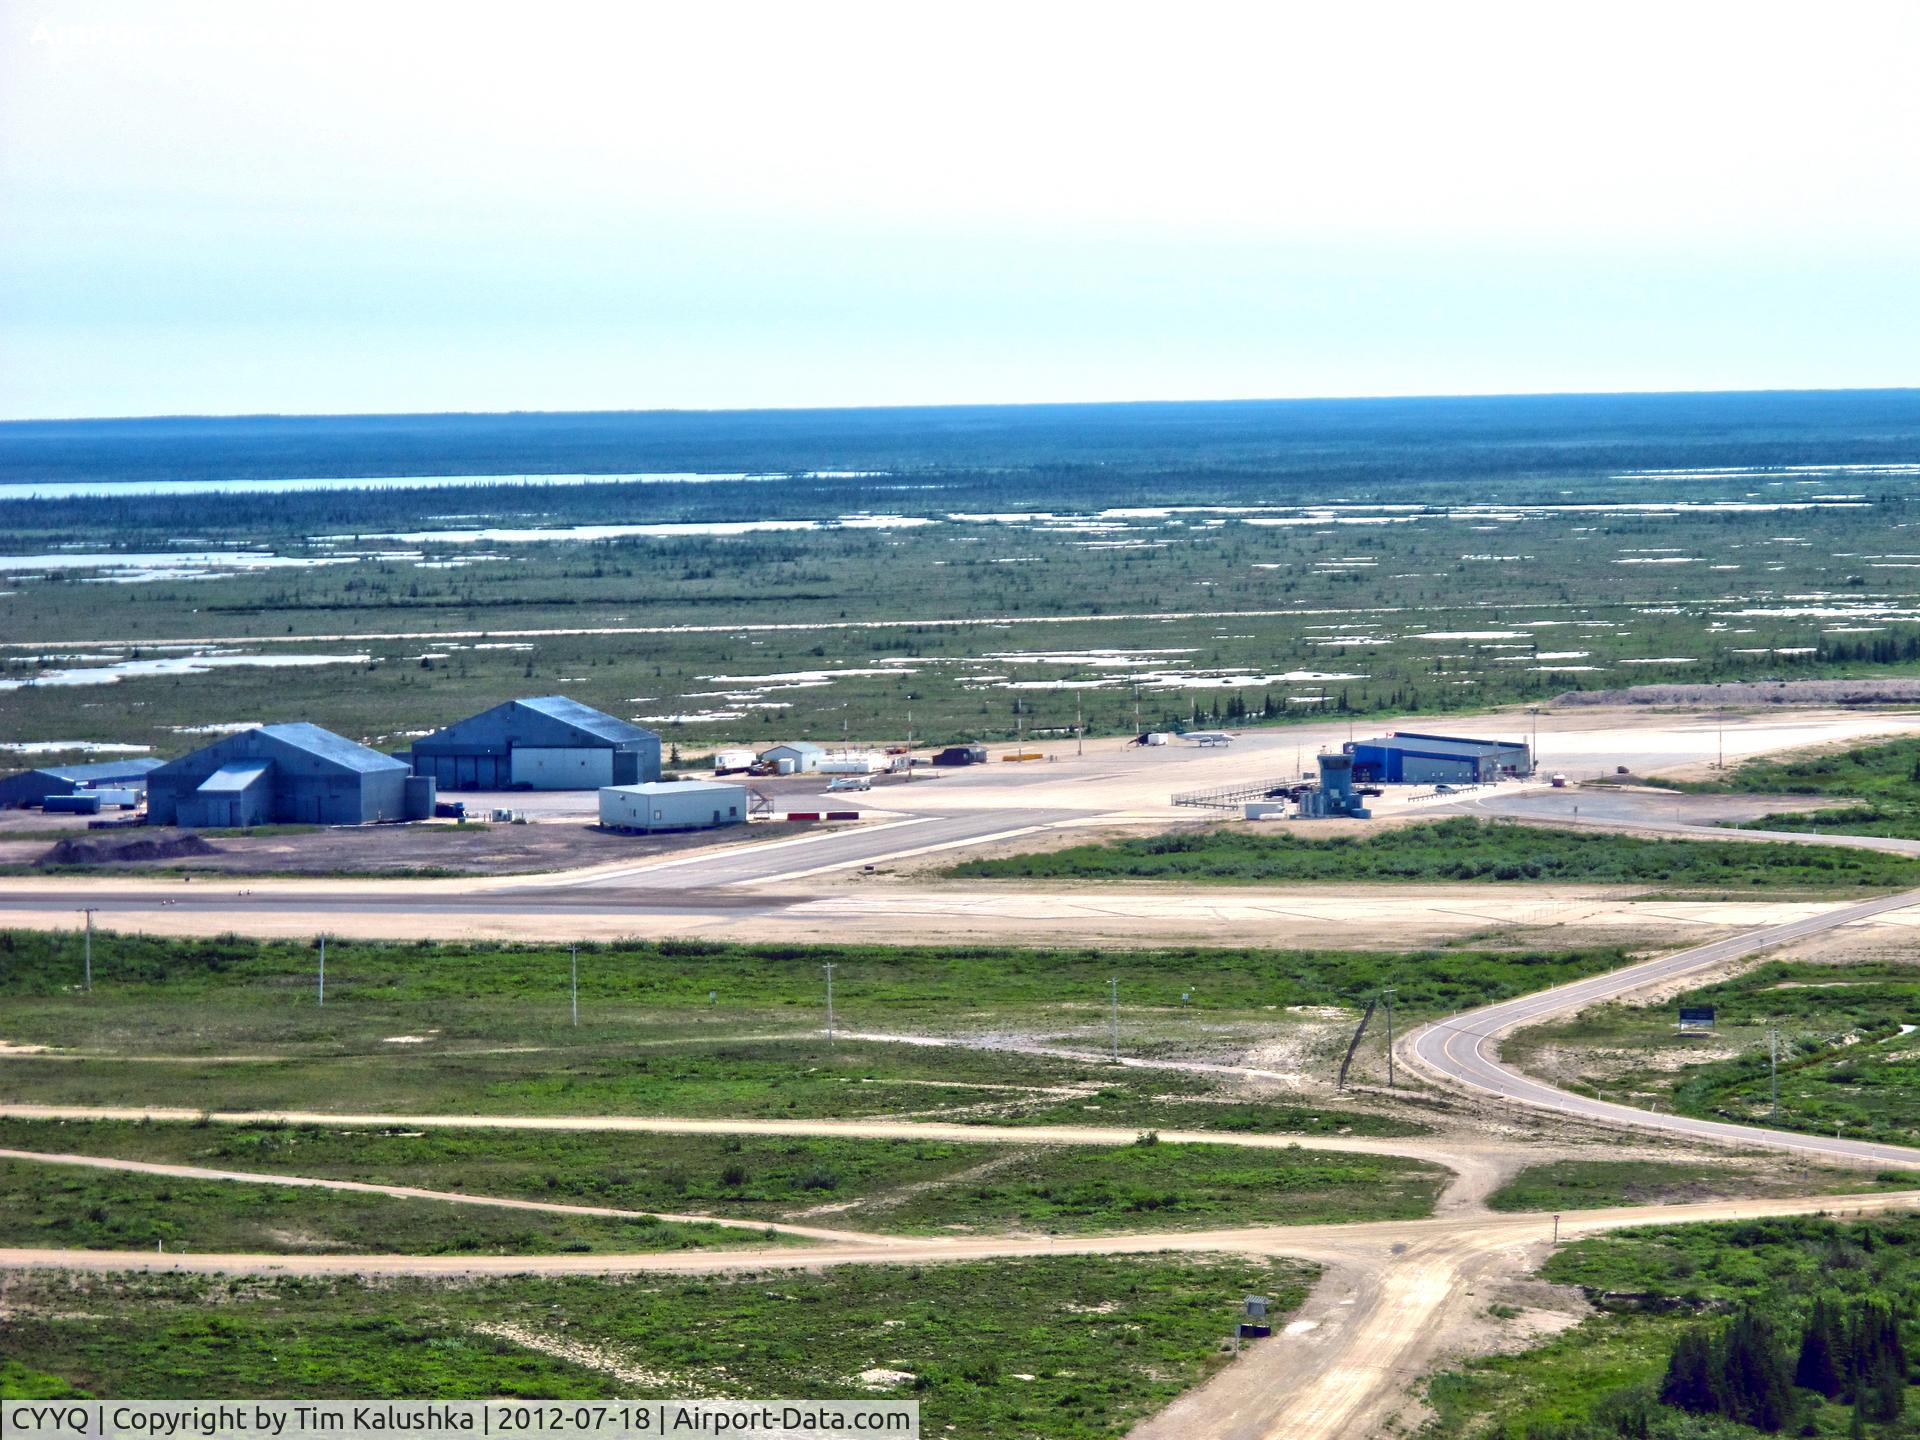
(344, 206)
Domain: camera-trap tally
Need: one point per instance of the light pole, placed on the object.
(1113, 1022)
(573, 968)
(1773, 1071)
(1533, 756)
(1079, 727)
(323, 970)
(87, 950)
(829, 970)
(1389, 997)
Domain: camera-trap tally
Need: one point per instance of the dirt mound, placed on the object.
(115, 850)
(1886, 691)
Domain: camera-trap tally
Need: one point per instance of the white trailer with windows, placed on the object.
(854, 762)
(672, 805)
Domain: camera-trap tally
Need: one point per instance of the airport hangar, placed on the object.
(1406, 757)
(32, 787)
(285, 774)
(547, 742)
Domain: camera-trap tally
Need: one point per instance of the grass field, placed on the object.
(1454, 850)
(904, 1185)
(229, 1023)
(65, 1207)
(1598, 1184)
(1849, 1061)
(1052, 1348)
(1883, 781)
(1599, 1381)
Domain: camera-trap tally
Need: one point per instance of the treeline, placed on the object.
(1335, 442)
(1746, 1369)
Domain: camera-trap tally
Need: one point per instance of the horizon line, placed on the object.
(902, 406)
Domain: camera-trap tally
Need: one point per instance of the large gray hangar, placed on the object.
(547, 742)
(285, 774)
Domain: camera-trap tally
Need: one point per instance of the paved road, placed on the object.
(1463, 1049)
(740, 881)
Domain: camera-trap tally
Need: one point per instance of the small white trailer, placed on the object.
(672, 805)
(854, 763)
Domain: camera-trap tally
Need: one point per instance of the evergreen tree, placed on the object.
(1819, 1365)
(1754, 1384)
(1879, 1363)
(1689, 1383)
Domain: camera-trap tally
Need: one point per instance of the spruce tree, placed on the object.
(1689, 1382)
(1754, 1383)
(1819, 1364)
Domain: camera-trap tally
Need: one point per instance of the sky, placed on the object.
(220, 208)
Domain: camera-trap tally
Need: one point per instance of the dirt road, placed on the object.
(451, 1197)
(1397, 1286)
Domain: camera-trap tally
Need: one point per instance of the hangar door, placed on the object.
(562, 769)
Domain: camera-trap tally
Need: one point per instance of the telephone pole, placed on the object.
(1113, 1013)
(829, 970)
(1389, 997)
(1773, 1071)
(87, 953)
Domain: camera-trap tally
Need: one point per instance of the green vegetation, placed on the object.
(903, 1185)
(1440, 618)
(1460, 849)
(67, 1207)
(1713, 1319)
(1883, 780)
(1598, 1184)
(1849, 1059)
(473, 1028)
(1059, 1349)
(1155, 1185)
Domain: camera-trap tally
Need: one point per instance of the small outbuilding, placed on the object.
(802, 755)
(285, 774)
(672, 805)
(32, 787)
(546, 742)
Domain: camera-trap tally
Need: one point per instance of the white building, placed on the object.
(673, 805)
(855, 762)
(803, 755)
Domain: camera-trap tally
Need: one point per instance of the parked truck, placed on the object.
(962, 755)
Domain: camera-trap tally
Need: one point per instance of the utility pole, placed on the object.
(87, 960)
(323, 970)
(829, 970)
(1389, 994)
(1773, 1071)
(1079, 727)
(574, 975)
(1113, 1021)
